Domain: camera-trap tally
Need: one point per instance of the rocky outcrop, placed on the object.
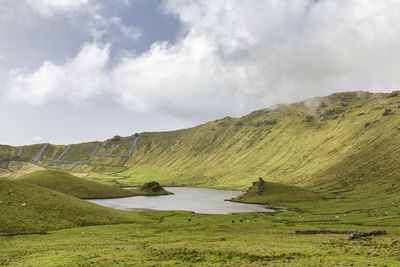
(387, 112)
(331, 114)
(152, 186)
(116, 138)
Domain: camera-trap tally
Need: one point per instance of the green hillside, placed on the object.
(74, 186)
(27, 207)
(275, 193)
(342, 141)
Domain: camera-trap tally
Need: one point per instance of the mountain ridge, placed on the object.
(344, 140)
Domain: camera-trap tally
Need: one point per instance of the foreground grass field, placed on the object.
(187, 239)
(204, 241)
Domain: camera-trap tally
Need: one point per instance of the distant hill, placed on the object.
(74, 186)
(342, 141)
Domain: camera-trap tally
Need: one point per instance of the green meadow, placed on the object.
(251, 239)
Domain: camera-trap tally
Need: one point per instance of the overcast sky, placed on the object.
(82, 70)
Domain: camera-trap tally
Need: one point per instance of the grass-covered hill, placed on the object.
(27, 207)
(74, 186)
(274, 193)
(342, 141)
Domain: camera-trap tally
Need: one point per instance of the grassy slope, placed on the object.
(274, 193)
(338, 141)
(48, 210)
(71, 185)
(13, 169)
(323, 153)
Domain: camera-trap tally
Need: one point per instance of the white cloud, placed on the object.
(235, 56)
(52, 7)
(75, 81)
(47, 8)
(100, 26)
(85, 15)
(239, 55)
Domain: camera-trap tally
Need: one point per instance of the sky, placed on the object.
(81, 70)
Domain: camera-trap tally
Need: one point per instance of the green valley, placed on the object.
(332, 162)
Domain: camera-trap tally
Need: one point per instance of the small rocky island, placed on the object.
(151, 189)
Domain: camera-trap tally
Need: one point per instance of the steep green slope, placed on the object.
(71, 185)
(27, 207)
(345, 140)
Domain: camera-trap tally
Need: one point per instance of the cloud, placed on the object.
(235, 56)
(85, 15)
(111, 27)
(75, 81)
(52, 7)
(46, 8)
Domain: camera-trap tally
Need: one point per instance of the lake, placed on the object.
(198, 200)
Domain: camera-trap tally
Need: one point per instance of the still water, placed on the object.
(198, 200)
